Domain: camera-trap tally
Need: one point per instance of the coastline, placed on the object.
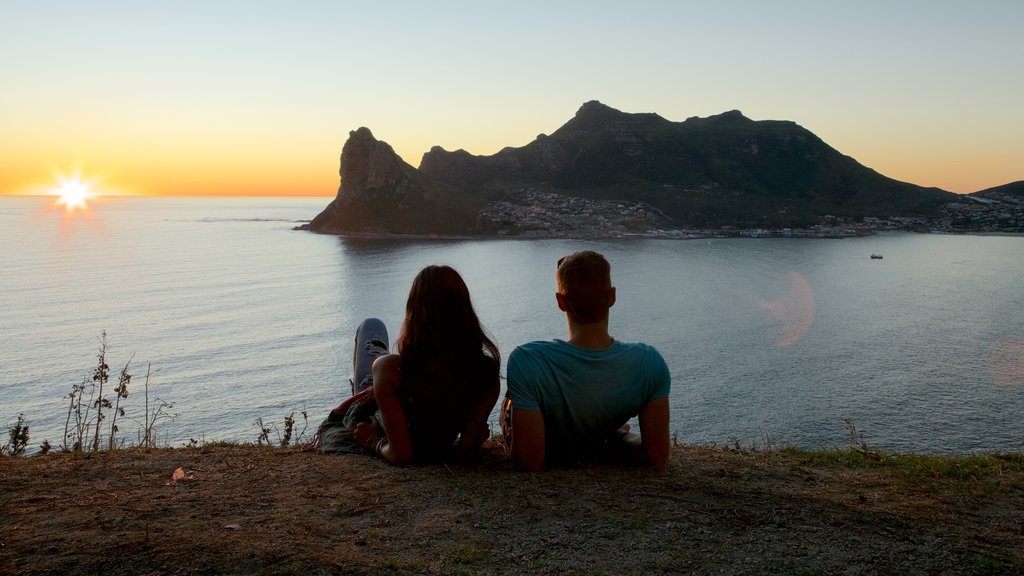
(245, 509)
(820, 233)
(653, 235)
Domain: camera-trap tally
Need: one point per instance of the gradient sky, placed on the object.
(258, 97)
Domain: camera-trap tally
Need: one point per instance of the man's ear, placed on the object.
(560, 298)
(611, 296)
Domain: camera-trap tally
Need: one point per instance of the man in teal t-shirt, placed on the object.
(570, 399)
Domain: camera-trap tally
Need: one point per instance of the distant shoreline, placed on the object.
(661, 235)
(696, 234)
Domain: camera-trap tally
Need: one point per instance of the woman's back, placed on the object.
(441, 398)
(443, 383)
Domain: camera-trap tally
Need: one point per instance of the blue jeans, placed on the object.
(371, 342)
(337, 432)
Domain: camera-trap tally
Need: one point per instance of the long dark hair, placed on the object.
(439, 317)
(448, 360)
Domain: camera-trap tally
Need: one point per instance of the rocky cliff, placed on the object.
(381, 193)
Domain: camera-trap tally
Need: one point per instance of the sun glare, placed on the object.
(72, 192)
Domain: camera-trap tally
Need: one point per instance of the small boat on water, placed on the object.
(876, 256)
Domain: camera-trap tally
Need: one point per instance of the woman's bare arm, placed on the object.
(387, 377)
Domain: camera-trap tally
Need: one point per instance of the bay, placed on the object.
(768, 340)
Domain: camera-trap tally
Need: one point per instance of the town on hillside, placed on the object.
(532, 213)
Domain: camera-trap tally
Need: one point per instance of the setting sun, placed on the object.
(73, 192)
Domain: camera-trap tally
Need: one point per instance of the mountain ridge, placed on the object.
(724, 170)
(1013, 189)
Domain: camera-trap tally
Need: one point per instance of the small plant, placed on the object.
(18, 435)
(160, 411)
(100, 376)
(121, 392)
(264, 432)
(73, 436)
(857, 442)
(76, 439)
(283, 439)
(88, 407)
(289, 426)
(289, 423)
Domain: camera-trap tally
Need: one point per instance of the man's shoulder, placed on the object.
(526, 370)
(641, 347)
(536, 347)
(648, 356)
(532, 356)
(560, 347)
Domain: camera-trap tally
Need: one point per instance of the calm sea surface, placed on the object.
(241, 317)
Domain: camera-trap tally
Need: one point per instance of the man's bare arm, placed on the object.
(528, 439)
(654, 432)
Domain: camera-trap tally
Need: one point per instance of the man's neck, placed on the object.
(592, 336)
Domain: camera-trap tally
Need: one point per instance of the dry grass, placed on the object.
(244, 509)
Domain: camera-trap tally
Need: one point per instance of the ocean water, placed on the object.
(237, 316)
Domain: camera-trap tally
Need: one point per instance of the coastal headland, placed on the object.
(607, 173)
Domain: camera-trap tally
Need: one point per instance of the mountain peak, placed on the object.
(380, 192)
(362, 133)
(732, 117)
(594, 107)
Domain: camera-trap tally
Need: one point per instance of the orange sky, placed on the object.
(242, 99)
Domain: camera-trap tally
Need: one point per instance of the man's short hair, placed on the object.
(584, 279)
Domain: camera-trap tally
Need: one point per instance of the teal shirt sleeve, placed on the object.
(662, 380)
(519, 386)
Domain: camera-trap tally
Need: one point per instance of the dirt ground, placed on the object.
(257, 510)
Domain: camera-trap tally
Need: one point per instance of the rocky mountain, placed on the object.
(380, 192)
(606, 169)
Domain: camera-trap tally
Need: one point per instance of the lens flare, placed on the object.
(1006, 362)
(72, 192)
(794, 310)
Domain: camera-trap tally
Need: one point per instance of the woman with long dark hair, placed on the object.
(433, 397)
